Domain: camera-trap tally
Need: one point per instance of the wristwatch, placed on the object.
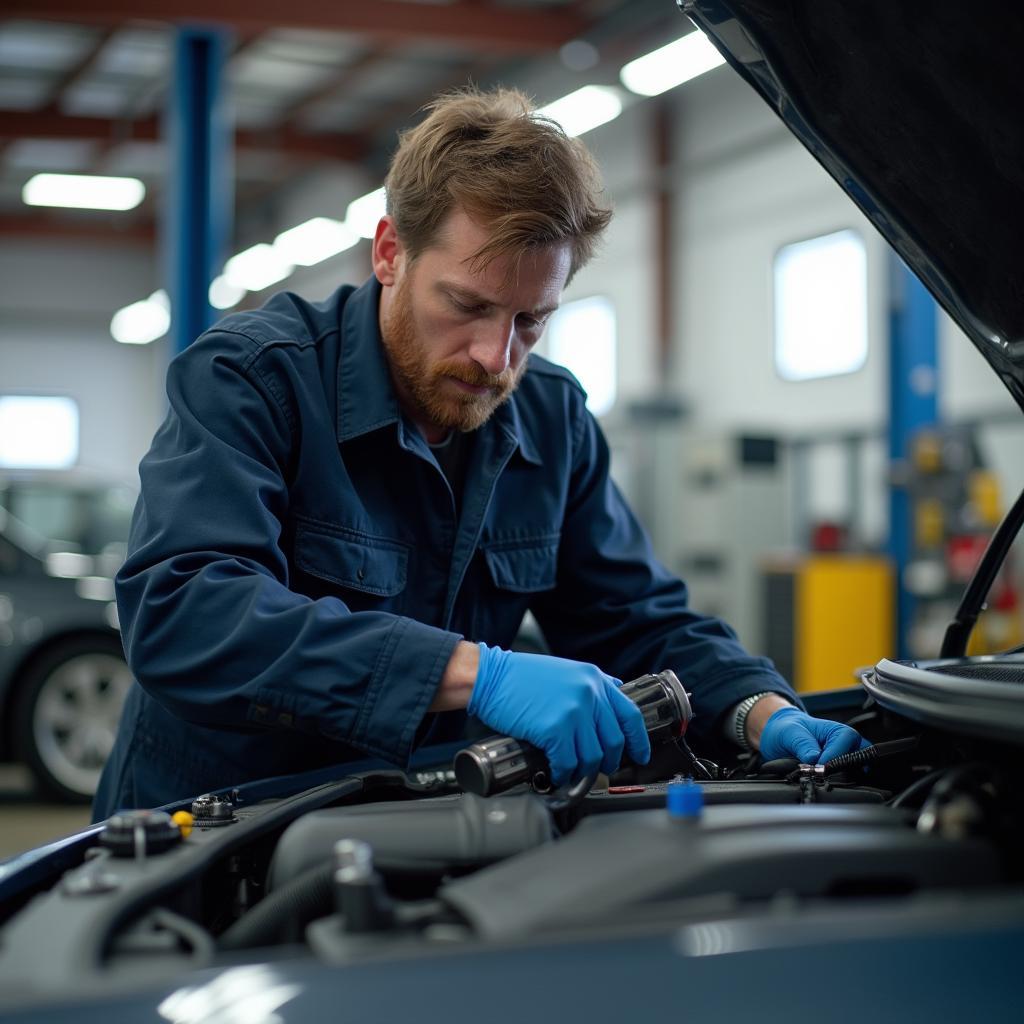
(739, 722)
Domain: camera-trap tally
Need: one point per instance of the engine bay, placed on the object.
(383, 864)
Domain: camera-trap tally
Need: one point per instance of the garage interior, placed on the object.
(811, 442)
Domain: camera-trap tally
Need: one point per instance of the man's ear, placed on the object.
(388, 252)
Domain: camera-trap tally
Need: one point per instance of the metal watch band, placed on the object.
(740, 722)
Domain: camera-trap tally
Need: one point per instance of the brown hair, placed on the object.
(508, 167)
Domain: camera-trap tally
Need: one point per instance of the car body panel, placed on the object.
(716, 973)
(36, 610)
(62, 535)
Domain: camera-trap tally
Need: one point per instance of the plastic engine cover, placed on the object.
(611, 863)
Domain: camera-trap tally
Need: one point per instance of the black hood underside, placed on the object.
(916, 108)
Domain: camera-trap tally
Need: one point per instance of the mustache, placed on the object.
(474, 375)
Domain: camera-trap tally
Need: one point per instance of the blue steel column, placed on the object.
(913, 406)
(199, 203)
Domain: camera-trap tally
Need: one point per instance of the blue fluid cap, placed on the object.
(684, 800)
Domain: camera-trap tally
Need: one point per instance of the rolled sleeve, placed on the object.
(390, 705)
(401, 689)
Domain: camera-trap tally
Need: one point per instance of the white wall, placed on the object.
(49, 279)
(621, 269)
(55, 309)
(748, 188)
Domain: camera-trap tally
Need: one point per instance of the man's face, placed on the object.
(457, 340)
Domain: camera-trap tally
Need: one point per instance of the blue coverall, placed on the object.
(298, 576)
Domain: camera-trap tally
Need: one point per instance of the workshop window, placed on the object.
(581, 337)
(821, 306)
(38, 432)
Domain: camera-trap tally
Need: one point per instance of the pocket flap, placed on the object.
(370, 564)
(524, 568)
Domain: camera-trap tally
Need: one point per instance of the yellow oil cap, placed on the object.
(184, 821)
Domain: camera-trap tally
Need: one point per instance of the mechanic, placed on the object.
(351, 505)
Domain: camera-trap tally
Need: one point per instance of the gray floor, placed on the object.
(25, 821)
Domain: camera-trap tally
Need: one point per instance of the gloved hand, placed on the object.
(569, 709)
(790, 732)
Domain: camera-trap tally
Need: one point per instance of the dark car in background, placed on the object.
(63, 677)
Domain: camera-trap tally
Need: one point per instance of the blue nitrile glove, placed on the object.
(790, 732)
(571, 710)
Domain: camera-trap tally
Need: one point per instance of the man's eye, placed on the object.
(529, 323)
(467, 309)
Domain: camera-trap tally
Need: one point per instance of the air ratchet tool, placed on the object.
(498, 763)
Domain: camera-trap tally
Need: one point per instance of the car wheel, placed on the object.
(67, 714)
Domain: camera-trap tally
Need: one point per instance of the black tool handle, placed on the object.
(498, 763)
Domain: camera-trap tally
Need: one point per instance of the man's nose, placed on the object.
(492, 346)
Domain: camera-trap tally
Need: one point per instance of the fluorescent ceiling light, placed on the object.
(672, 65)
(142, 322)
(584, 109)
(257, 268)
(83, 191)
(364, 214)
(316, 240)
(223, 294)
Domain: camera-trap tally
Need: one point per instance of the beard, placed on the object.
(424, 383)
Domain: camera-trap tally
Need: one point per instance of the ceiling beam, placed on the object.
(19, 124)
(340, 80)
(289, 142)
(47, 226)
(16, 124)
(498, 29)
(79, 69)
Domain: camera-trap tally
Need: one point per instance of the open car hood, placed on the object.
(914, 109)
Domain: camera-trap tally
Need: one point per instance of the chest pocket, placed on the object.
(513, 571)
(370, 569)
(523, 566)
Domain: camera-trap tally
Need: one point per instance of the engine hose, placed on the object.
(921, 786)
(939, 781)
(961, 779)
(565, 797)
(866, 754)
(702, 768)
(283, 914)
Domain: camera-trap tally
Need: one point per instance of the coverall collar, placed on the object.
(366, 396)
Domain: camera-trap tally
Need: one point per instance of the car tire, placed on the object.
(67, 712)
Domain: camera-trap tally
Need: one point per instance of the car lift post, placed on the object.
(199, 204)
(913, 406)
